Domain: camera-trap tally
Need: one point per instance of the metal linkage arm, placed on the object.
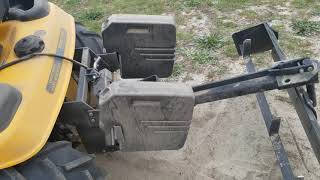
(283, 75)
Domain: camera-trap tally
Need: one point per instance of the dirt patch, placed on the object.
(227, 139)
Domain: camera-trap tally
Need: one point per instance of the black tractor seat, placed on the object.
(4, 7)
(27, 10)
(10, 99)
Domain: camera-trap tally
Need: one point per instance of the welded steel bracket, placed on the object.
(79, 112)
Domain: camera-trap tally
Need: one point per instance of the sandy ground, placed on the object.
(227, 140)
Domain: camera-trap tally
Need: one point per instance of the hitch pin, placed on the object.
(95, 67)
(96, 63)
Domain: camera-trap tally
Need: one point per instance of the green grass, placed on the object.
(230, 51)
(232, 4)
(212, 41)
(92, 14)
(72, 2)
(306, 28)
(249, 14)
(184, 37)
(224, 18)
(197, 3)
(217, 71)
(193, 3)
(315, 10)
(303, 3)
(177, 69)
(201, 57)
(296, 47)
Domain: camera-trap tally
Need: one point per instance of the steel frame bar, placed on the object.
(272, 124)
(301, 100)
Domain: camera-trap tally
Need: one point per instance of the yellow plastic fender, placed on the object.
(43, 82)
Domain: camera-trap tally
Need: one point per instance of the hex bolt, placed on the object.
(93, 120)
(300, 178)
(301, 70)
(90, 114)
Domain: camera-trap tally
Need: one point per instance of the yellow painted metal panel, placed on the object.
(42, 100)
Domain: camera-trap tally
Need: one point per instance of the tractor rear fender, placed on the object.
(42, 83)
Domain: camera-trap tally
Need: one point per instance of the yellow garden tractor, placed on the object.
(58, 92)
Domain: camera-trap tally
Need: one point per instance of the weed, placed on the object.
(197, 3)
(72, 2)
(192, 3)
(229, 24)
(303, 3)
(233, 4)
(294, 46)
(202, 56)
(306, 28)
(212, 41)
(249, 14)
(217, 71)
(177, 69)
(315, 11)
(188, 77)
(230, 51)
(184, 37)
(262, 60)
(92, 14)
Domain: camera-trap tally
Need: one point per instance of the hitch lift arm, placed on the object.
(283, 75)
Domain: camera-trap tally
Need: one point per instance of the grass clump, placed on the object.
(212, 41)
(226, 5)
(294, 47)
(303, 3)
(197, 3)
(92, 15)
(249, 14)
(193, 3)
(217, 71)
(177, 69)
(201, 57)
(72, 2)
(230, 51)
(306, 28)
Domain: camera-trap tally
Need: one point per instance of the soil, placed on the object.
(228, 139)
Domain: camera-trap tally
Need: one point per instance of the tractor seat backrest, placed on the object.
(27, 10)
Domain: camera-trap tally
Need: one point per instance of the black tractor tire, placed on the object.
(56, 161)
(92, 40)
(86, 38)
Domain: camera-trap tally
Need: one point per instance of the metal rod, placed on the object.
(272, 124)
(236, 89)
(282, 157)
(224, 82)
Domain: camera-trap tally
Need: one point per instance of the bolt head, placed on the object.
(310, 69)
(90, 114)
(301, 70)
(93, 120)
